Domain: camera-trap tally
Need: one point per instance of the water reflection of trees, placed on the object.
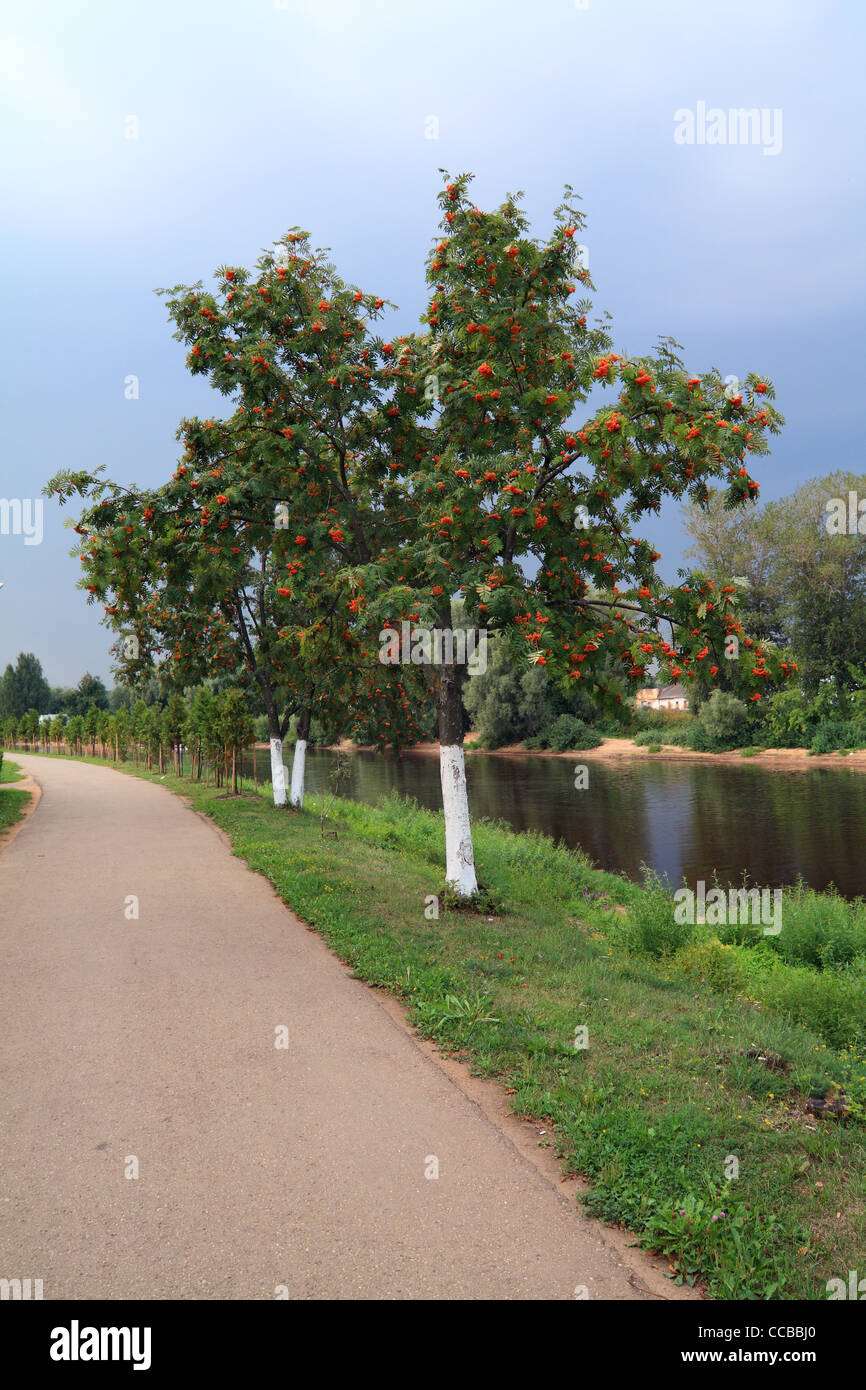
(778, 826)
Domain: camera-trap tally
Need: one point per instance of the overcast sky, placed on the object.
(256, 115)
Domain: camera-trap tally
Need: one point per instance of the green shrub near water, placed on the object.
(821, 930)
(724, 718)
(710, 962)
(567, 732)
(835, 734)
(811, 972)
(650, 928)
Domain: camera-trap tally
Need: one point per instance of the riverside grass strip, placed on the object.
(662, 1107)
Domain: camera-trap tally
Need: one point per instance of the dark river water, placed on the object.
(686, 820)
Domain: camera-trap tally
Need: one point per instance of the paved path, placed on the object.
(153, 1039)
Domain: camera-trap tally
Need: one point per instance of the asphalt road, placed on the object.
(147, 1044)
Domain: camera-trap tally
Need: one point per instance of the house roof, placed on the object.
(673, 692)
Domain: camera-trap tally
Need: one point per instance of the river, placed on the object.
(686, 820)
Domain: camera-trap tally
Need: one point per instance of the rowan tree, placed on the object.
(206, 577)
(448, 464)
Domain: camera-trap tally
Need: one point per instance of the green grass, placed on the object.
(663, 1099)
(10, 772)
(12, 806)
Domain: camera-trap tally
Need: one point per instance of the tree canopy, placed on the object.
(362, 483)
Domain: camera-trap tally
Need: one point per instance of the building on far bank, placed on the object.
(663, 697)
(644, 698)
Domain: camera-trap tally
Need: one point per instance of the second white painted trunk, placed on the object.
(459, 858)
(278, 775)
(299, 762)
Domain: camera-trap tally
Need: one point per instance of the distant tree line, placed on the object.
(23, 687)
(204, 734)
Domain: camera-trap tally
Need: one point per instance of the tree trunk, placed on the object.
(278, 775)
(459, 856)
(299, 760)
(235, 771)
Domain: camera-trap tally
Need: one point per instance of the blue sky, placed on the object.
(254, 115)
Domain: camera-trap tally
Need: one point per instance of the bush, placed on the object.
(834, 734)
(829, 1002)
(724, 718)
(820, 929)
(787, 719)
(702, 742)
(567, 732)
(710, 962)
(650, 928)
(647, 718)
(610, 727)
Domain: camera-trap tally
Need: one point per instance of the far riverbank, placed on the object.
(621, 749)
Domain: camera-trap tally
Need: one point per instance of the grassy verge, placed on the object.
(12, 807)
(10, 772)
(703, 1150)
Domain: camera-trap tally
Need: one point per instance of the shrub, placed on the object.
(724, 718)
(833, 734)
(710, 962)
(567, 732)
(647, 718)
(609, 727)
(787, 719)
(702, 742)
(820, 929)
(829, 1002)
(650, 928)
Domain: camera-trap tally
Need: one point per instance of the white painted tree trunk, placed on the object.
(299, 762)
(278, 776)
(459, 858)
